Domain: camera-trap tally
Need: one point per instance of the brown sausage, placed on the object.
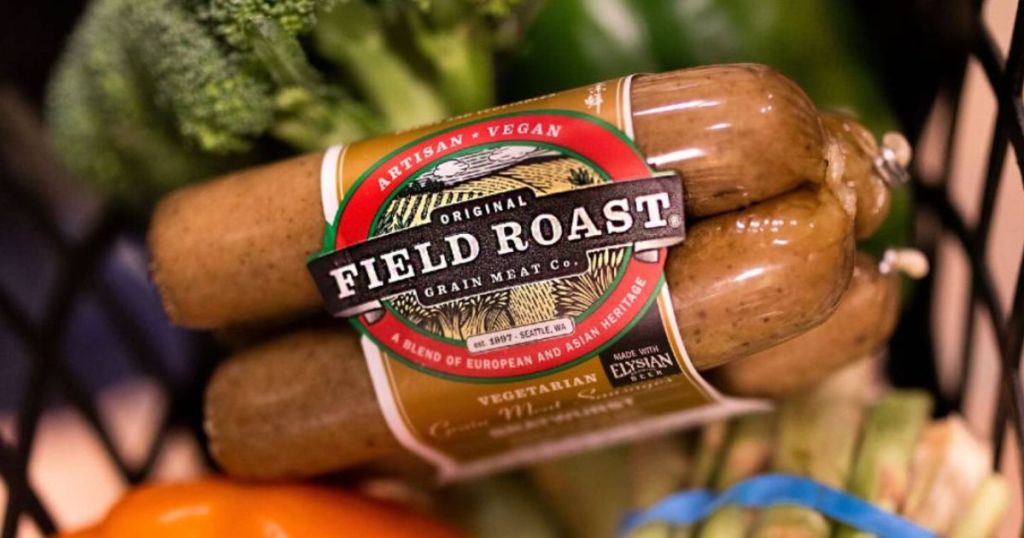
(233, 251)
(299, 405)
(863, 323)
(760, 275)
(742, 282)
(736, 134)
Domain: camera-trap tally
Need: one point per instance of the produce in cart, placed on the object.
(700, 358)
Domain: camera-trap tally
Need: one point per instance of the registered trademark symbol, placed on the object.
(675, 221)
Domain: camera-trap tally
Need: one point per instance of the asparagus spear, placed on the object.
(502, 506)
(881, 472)
(985, 511)
(589, 492)
(818, 433)
(948, 465)
(727, 522)
(748, 453)
(659, 467)
(659, 530)
(711, 439)
(704, 464)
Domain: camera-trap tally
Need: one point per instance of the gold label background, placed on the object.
(448, 416)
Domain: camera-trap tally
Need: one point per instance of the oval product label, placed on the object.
(502, 248)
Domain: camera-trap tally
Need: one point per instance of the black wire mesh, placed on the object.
(39, 314)
(40, 327)
(1005, 76)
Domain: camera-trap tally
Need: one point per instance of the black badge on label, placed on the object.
(642, 353)
(500, 241)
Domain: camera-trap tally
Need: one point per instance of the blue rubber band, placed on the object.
(689, 507)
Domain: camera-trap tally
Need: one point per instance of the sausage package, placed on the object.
(506, 272)
(524, 279)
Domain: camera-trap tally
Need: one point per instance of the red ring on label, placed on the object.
(606, 148)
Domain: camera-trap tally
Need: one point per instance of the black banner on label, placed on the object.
(501, 241)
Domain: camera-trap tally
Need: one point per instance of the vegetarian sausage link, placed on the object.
(298, 405)
(233, 251)
(863, 323)
(742, 282)
(736, 134)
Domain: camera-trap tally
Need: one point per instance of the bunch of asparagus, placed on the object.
(847, 433)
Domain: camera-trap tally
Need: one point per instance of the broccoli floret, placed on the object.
(309, 122)
(456, 39)
(215, 101)
(152, 60)
(152, 94)
(78, 130)
(233, 20)
(104, 122)
(353, 35)
(451, 42)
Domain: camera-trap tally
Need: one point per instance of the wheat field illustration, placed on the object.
(543, 171)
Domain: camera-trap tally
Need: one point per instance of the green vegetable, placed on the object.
(749, 450)
(448, 36)
(107, 119)
(153, 94)
(502, 506)
(748, 453)
(881, 471)
(986, 510)
(352, 34)
(707, 459)
(214, 101)
(572, 43)
(660, 530)
(589, 492)
(658, 467)
(818, 433)
(948, 464)
(815, 42)
(233, 20)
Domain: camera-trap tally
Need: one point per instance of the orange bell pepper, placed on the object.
(214, 508)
